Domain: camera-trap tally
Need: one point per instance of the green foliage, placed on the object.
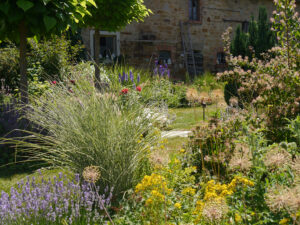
(47, 60)
(82, 128)
(211, 146)
(160, 91)
(54, 56)
(9, 66)
(258, 40)
(42, 17)
(114, 15)
(271, 85)
(239, 44)
(207, 82)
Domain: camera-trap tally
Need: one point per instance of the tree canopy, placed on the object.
(20, 19)
(41, 17)
(112, 15)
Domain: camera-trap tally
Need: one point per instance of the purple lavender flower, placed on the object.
(51, 201)
(160, 70)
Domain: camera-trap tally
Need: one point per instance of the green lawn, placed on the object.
(187, 118)
(9, 179)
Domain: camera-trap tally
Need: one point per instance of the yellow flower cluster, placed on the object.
(177, 205)
(188, 191)
(156, 185)
(216, 191)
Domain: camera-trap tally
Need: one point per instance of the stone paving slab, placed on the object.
(176, 133)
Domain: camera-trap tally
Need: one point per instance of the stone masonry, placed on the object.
(142, 43)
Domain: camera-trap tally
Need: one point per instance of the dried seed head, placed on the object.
(91, 174)
(277, 158)
(215, 210)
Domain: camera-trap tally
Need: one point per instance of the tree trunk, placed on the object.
(97, 61)
(23, 63)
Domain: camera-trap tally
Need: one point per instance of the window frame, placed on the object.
(191, 12)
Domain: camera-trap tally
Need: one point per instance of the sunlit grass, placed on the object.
(9, 179)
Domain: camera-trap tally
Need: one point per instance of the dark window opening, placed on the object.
(245, 26)
(194, 9)
(164, 57)
(221, 58)
(108, 47)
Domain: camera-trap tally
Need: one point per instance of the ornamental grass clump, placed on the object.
(78, 127)
(54, 201)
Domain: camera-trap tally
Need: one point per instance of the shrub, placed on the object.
(162, 91)
(207, 82)
(48, 60)
(211, 146)
(9, 66)
(54, 56)
(258, 40)
(272, 84)
(82, 127)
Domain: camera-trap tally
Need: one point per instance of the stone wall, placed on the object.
(141, 42)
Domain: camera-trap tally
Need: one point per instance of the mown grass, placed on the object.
(10, 179)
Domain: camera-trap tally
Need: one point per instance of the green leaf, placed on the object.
(92, 2)
(4, 7)
(49, 22)
(46, 2)
(25, 4)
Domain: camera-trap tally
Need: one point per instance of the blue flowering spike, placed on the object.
(138, 78)
(131, 76)
(134, 86)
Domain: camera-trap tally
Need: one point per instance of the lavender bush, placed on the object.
(56, 201)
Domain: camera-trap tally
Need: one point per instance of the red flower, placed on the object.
(70, 90)
(138, 88)
(54, 82)
(124, 91)
(72, 81)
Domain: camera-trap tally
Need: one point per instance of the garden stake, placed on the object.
(203, 107)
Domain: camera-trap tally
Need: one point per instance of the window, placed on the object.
(194, 9)
(164, 57)
(221, 59)
(245, 26)
(108, 47)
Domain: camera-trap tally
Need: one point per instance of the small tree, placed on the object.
(239, 43)
(20, 19)
(260, 38)
(113, 15)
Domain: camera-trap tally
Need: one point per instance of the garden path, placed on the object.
(175, 133)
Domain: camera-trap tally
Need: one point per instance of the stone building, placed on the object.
(179, 30)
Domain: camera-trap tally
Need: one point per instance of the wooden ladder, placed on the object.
(188, 51)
